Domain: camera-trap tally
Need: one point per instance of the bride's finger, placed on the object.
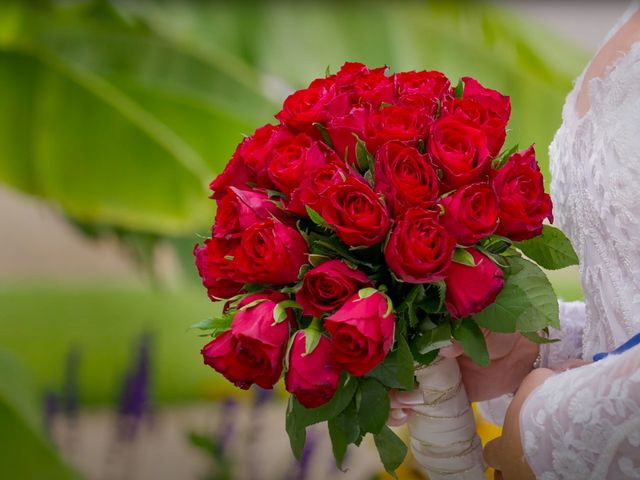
(397, 417)
(492, 452)
(400, 399)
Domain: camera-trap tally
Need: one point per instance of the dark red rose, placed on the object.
(362, 332)
(248, 166)
(405, 177)
(216, 268)
(472, 289)
(270, 252)
(396, 122)
(316, 104)
(253, 350)
(311, 191)
(295, 159)
(357, 214)
(343, 131)
(522, 202)
(459, 149)
(312, 378)
(471, 213)
(239, 209)
(327, 286)
(492, 100)
(419, 249)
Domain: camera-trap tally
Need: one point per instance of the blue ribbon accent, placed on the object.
(632, 342)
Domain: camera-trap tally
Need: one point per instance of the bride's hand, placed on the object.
(512, 357)
(505, 453)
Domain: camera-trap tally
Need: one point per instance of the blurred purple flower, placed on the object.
(227, 423)
(50, 405)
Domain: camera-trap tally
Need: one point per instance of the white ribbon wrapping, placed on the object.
(443, 430)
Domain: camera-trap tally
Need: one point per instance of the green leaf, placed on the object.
(343, 430)
(316, 217)
(217, 325)
(296, 429)
(498, 162)
(367, 292)
(342, 398)
(374, 405)
(470, 337)
(459, 91)
(325, 136)
(311, 339)
(551, 250)
(462, 256)
(363, 157)
(433, 339)
(433, 301)
(280, 310)
(396, 370)
(535, 338)
(391, 449)
(527, 303)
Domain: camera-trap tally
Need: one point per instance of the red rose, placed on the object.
(343, 131)
(404, 177)
(216, 269)
(472, 289)
(327, 286)
(471, 213)
(362, 332)
(523, 204)
(296, 158)
(240, 209)
(250, 161)
(356, 213)
(351, 71)
(373, 88)
(315, 104)
(312, 378)
(395, 123)
(430, 84)
(459, 149)
(419, 249)
(311, 191)
(253, 350)
(494, 101)
(271, 252)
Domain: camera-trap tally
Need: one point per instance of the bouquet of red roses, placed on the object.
(377, 222)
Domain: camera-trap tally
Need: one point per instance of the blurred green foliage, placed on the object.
(121, 112)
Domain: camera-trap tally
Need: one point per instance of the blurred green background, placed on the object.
(114, 117)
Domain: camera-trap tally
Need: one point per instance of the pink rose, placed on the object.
(312, 378)
(362, 332)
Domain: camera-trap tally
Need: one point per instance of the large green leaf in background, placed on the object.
(24, 450)
(121, 114)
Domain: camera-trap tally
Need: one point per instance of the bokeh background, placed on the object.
(114, 115)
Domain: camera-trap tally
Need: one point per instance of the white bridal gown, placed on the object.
(585, 423)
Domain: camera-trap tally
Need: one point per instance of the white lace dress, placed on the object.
(585, 423)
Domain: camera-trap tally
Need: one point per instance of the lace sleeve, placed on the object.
(585, 423)
(572, 321)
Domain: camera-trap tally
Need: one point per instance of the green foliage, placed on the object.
(391, 448)
(374, 405)
(26, 453)
(396, 370)
(551, 250)
(462, 256)
(527, 303)
(121, 115)
(470, 337)
(343, 430)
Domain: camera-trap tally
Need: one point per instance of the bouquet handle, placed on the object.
(442, 429)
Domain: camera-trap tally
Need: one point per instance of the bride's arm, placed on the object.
(583, 423)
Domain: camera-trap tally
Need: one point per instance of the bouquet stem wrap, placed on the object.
(443, 430)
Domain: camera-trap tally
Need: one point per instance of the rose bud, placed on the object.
(311, 191)
(240, 209)
(253, 350)
(327, 286)
(419, 249)
(405, 178)
(343, 131)
(459, 149)
(396, 122)
(472, 289)
(216, 268)
(357, 214)
(271, 252)
(488, 109)
(471, 213)
(312, 378)
(316, 104)
(362, 332)
(296, 158)
(523, 203)
(250, 161)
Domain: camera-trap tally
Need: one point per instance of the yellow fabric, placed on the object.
(486, 430)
